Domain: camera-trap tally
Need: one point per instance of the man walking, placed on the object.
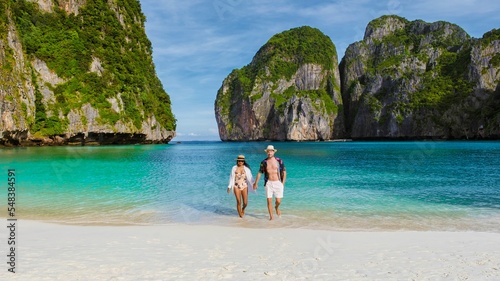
(274, 180)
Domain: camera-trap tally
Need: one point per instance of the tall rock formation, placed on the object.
(416, 80)
(79, 72)
(404, 80)
(290, 91)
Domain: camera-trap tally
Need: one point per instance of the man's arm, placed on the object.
(257, 178)
(283, 172)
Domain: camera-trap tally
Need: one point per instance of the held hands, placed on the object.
(255, 186)
(228, 190)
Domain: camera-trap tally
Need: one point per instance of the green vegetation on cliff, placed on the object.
(3, 19)
(239, 87)
(315, 95)
(450, 86)
(282, 55)
(69, 43)
(489, 37)
(445, 81)
(6, 60)
(412, 33)
(280, 58)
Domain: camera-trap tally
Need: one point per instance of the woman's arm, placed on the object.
(231, 178)
(249, 175)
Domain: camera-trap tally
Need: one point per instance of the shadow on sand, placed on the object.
(220, 210)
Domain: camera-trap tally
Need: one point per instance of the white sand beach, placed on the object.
(47, 251)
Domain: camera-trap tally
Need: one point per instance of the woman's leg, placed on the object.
(244, 197)
(237, 194)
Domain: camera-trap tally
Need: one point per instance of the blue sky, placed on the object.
(197, 43)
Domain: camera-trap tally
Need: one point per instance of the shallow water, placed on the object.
(331, 185)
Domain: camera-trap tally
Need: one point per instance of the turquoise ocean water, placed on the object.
(331, 185)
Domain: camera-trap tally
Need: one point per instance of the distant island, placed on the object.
(79, 73)
(406, 80)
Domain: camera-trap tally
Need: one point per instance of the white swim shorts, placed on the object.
(274, 188)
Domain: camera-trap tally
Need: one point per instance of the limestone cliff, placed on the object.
(404, 80)
(416, 80)
(290, 91)
(79, 72)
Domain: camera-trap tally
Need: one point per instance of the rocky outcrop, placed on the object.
(17, 97)
(417, 80)
(484, 71)
(89, 95)
(404, 80)
(287, 92)
(69, 6)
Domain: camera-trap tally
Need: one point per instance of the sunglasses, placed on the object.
(240, 161)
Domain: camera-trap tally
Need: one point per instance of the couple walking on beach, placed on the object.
(241, 178)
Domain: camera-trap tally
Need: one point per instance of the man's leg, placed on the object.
(278, 202)
(270, 207)
(279, 194)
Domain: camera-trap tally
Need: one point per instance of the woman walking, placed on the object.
(240, 180)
